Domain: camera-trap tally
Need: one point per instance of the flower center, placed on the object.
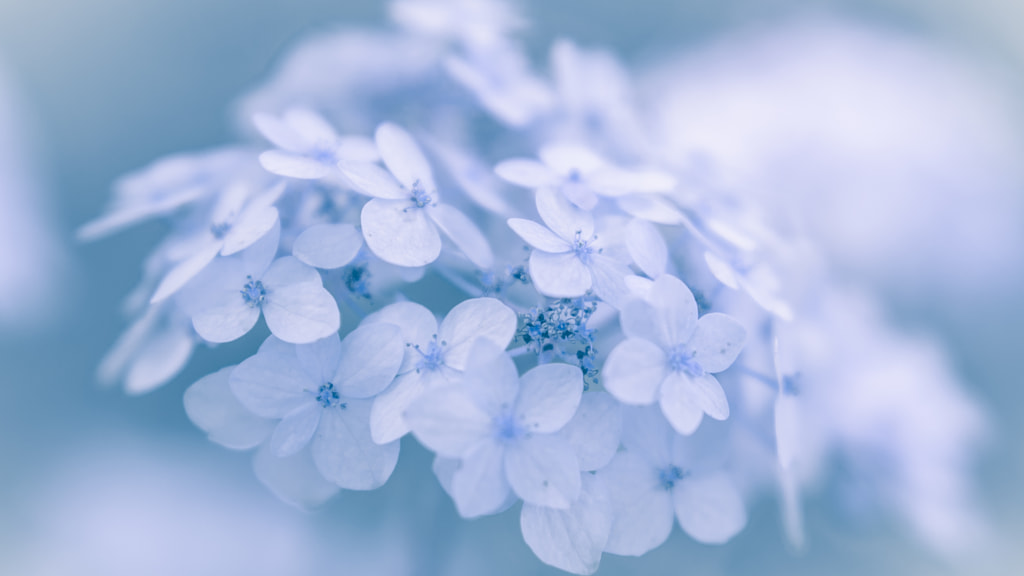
(582, 248)
(328, 397)
(506, 427)
(681, 359)
(669, 476)
(253, 293)
(324, 153)
(420, 197)
(220, 230)
(431, 355)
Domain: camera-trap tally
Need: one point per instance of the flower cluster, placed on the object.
(533, 322)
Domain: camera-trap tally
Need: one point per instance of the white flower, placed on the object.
(567, 261)
(500, 78)
(322, 393)
(581, 175)
(659, 478)
(152, 351)
(402, 220)
(213, 407)
(434, 355)
(669, 355)
(308, 147)
(503, 430)
(328, 246)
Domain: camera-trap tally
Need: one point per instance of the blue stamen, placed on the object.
(432, 358)
(328, 397)
(669, 476)
(681, 359)
(253, 293)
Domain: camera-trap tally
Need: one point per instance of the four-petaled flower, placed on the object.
(308, 147)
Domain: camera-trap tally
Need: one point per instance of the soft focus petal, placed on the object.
(538, 236)
(320, 359)
(647, 434)
(295, 430)
(387, 417)
(252, 224)
(272, 383)
(416, 322)
(681, 402)
(466, 236)
(471, 319)
(676, 308)
(563, 218)
(526, 173)
(491, 379)
(294, 479)
(448, 422)
(345, 453)
(651, 207)
(594, 432)
(573, 539)
(403, 157)
(373, 180)
(566, 158)
(559, 275)
(642, 511)
(328, 246)
(647, 247)
(548, 397)
(370, 358)
(634, 371)
(310, 125)
(226, 323)
(617, 182)
(159, 360)
(399, 233)
(293, 165)
(279, 133)
(609, 279)
(478, 485)
(298, 308)
(709, 508)
(213, 408)
(543, 470)
(357, 149)
(184, 271)
(717, 341)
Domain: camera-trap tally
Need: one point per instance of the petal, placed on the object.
(538, 236)
(257, 257)
(310, 125)
(717, 341)
(370, 358)
(478, 485)
(226, 323)
(345, 453)
(447, 421)
(548, 397)
(320, 359)
(639, 319)
(272, 384)
(470, 320)
(634, 371)
(373, 180)
(294, 479)
(563, 218)
(293, 165)
(475, 179)
(651, 207)
(464, 234)
(642, 511)
(416, 322)
(617, 182)
(647, 434)
(609, 279)
(543, 470)
(787, 429)
(566, 158)
(559, 275)
(399, 233)
(295, 430)
(709, 508)
(595, 430)
(647, 247)
(184, 271)
(387, 418)
(357, 149)
(279, 133)
(722, 271)
(213, 408)
(526, 173)
(252, 224)
(679, 403)
(298, 309)
(676, 308)
(491, 379)
(328, 246)
(403, 157)
(573, 539)
(159, 360)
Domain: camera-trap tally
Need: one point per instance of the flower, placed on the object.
(308, 147)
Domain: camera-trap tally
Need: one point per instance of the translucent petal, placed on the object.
(542, 470)
(490, 380)
(387, 418)
(473, 177)
(563, 218)
(681, 403)
(722, 271)
(295, 430)
(559, 275)
(573, 539)
(709, 508)
(594, 432)
(639, 287)
(370, 358)
(642, 511)
(373, 180)
(294, 479)
(646, 433)
(417, 323)
(399, 233)
(676, 308)
(357, 149)
(213, 408)
(538, 236)
(310, 125)
(184, 271)
(641, 320)
(298, 309)
(464, 234)
(548, 397)
(565, 158)
(647, 247)
(447, 421)
(251, 225)
(345, 453)
(257, 257)
(651, 207)
(470, 320)
(609, 279)
(717, 341)
(479, 486)
(159, 360)
(580, 194)
(279, 133)
(328, 246)
(226, 323)
(293, 165)
(272, 383)
(403, 157)
(634, 371)
(526, 173)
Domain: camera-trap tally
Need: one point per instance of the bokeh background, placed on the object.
(96, 483)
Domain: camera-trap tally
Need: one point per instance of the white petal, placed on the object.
(676, 307)
(564, 158)
(538, 236)
(373, 180)
(464, 234)
(320, 359)
(543, 470)
(399, 233)
(417, 323)
(294, 479)
(471, 319)
(475, 179)
(639, 319)
(594, 432)
(642, 511)
(646, 433)
(580, 194)
(328, 246)
(403, 157)
(279, 133)
(184, 271)
(559, 275)
(272, 384)
(298, 309)
(548, 397)
(634, 371)
(491, 379)
(387, 418)
(573, 539)
(526, 173)
(478, 485)
(252, 225)
(447, 421)
(680, 403)
(617, 182)
(226, 323)
(345, 453)
(639, 287)
(310, 125)
(357, 149)
(293, 165)
(159, 360)
(563, 218)
(647, 247)
(721, 270)
(709, 508)
(653, 208)
(717, 341)
(609, 279)
(212, 407)
(295, 430)
(257, 257)
(370, 358)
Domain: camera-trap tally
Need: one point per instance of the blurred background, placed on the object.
(93, 482)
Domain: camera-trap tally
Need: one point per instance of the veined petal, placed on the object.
(464, 234)
(573, 539)
(320, 359)
(295, 430)
(272, 383)
(526, 173)
(559, 275)
(399, 233)
(387, 418)
(491, 379)
(416, 322)
(328, 246)
(563, 218)
(548, 397)
(293, 165)
(676, 308)
(709, 508)
(294, 479)
(213, 408)
(370, 358)
(447, 421)
(345, 453)
(642, 511)
(609, 279)
(226, 323)
(479, 486)
(538, 236)
(634, 371)
(297, 307)
(543, 470)
(717, 341)
(595, 430)
(373, 180)
(565, 158)
(680, 403)
(403, 157)
(471, 319)
(647, 247)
